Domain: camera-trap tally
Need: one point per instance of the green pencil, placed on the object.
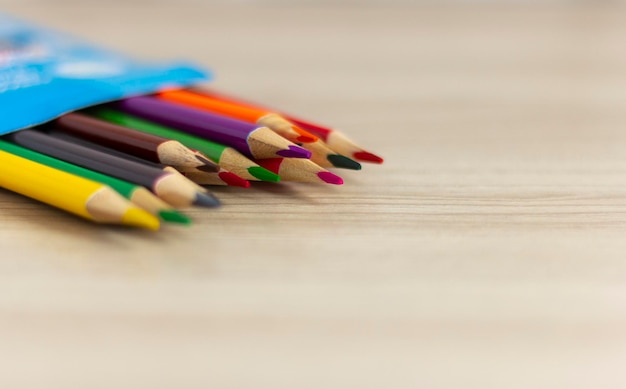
(138, 195)
(227, 157)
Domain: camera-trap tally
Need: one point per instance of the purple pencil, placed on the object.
(250, 139)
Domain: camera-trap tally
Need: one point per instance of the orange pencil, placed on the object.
(321, 154)
(261, 117)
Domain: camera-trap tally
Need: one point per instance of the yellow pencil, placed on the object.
(80, 196)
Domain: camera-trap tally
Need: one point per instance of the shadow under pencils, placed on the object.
(295, 190)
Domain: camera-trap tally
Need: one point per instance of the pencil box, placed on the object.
(46, 73)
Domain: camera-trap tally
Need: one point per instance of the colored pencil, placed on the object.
(338, 141)
(250, 139)
(335, 139)
(146, 146)
(183, 174)
(138, 195)
(225, 156)
(211, 177)
(173, 189)
(299, 170)
(77, 195)
(321, 154)
(220, 177)
(261, 117)
(324, 156)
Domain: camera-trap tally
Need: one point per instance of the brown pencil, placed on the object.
(139, 144)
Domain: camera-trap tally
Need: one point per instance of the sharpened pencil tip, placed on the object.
(234, 180)
(294, 152)
(172, 216)
(367, 157)
(343, 162)
(209, 166)
(305, 136)
(330, 178)
(305, 139)
(206, 200)
(139, 218)
(263, 174)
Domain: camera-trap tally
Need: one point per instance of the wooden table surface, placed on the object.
(489, 251)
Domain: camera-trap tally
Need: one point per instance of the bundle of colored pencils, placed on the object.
(139, 161)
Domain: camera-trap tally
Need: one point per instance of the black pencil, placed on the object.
(172, 188)
(199, 176)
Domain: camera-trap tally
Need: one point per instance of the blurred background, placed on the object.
(487, 252)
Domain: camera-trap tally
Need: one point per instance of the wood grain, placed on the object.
(487, 252)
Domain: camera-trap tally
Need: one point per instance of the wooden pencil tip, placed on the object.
(330, 178)
(263, 174)
(341, 161)
(173, 216)
(305, 139)
(367, 157)
(234, 180)
(206, 200)
(139, 218)
(305, 136)
(209, 166)
(294, 152)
